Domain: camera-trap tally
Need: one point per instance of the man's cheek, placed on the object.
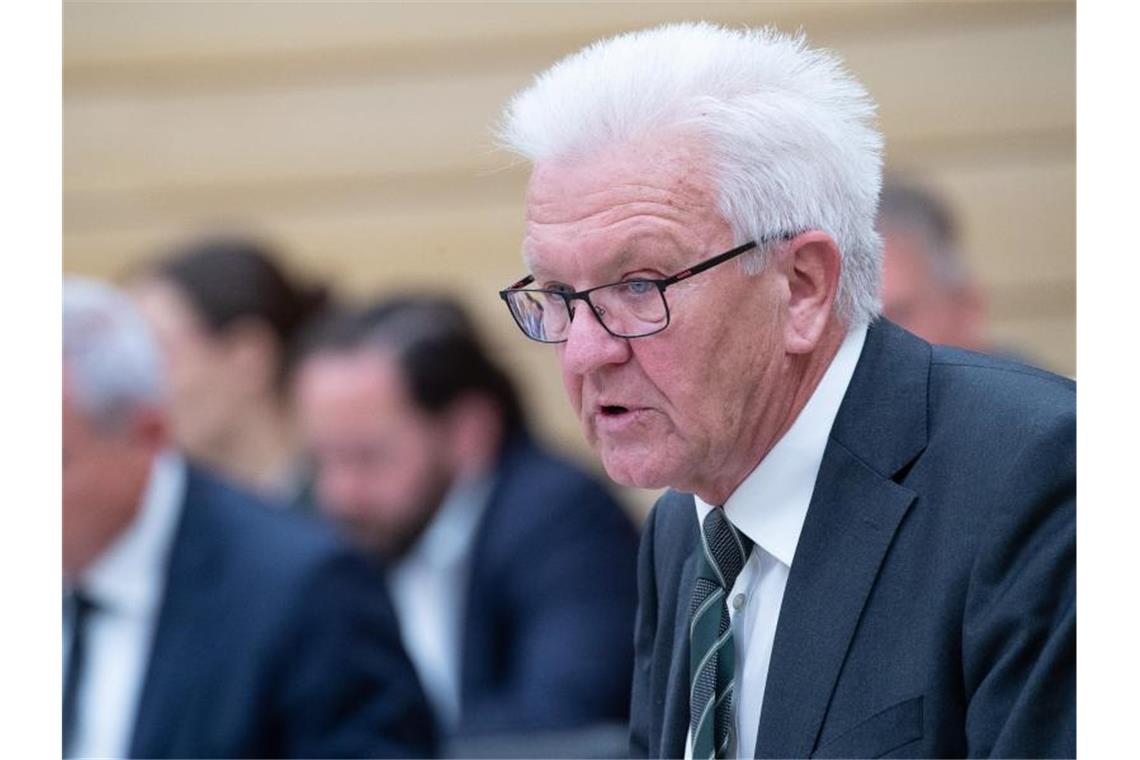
(573, 385)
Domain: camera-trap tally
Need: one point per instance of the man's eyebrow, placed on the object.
(666, 258)
(625, 258)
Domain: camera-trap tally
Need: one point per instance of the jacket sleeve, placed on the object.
(564, 606)
(1019, 631)
(345, 687)
(645, 630)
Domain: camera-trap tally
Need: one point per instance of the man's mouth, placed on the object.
(616, 419)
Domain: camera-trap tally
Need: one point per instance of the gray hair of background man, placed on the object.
(789, 132)
(907, 205)
(111, 362)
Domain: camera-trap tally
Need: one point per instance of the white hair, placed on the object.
(790, 134)
(111, 361)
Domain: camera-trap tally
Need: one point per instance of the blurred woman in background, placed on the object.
(229, 319)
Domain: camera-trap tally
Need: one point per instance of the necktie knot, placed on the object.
(725, 547)
(78, 604)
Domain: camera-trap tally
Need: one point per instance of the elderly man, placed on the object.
(200, 622)
(869, 544)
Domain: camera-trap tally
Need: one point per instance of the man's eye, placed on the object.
(637, 287)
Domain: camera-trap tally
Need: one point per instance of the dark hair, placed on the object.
(436, 345)
(231, 278)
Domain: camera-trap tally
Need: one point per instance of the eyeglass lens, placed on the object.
(628, 309)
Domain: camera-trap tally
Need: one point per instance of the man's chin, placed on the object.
(636, 470)
(369, 540)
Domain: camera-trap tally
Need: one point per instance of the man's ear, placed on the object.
(969, 304)
(149, 428)
(811, 264)
(476, 430)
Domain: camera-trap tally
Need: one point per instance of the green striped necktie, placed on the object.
(720, 558)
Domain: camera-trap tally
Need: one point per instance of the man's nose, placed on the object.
(589, 345)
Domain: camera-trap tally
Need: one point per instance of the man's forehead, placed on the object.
(355, 369)
(634, 210)
(648, 249)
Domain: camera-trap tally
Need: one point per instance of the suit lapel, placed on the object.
(855, 511)
(189, 598)
(676, 723)
(486, 556)
(842, 545)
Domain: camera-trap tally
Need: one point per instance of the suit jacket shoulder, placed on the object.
(274, 639)
(659, 710)
(959, 469)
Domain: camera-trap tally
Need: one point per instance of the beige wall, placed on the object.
(357, 135)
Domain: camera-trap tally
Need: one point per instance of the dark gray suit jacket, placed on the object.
(548, 633)
(273, 640)
(931, 604)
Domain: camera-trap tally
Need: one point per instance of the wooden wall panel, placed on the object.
(108, 33)
(971, 84)
(377, 126)
(359, 136)
(1015, 237)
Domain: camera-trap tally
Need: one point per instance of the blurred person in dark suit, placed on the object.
(228, 317)
(927, 286)
(868, 548)
(505, 562)
(199, 622)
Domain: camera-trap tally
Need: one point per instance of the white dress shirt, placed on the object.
(126, 584)
(429, 586)
(769, 507)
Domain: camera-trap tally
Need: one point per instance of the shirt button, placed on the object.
(738, 602)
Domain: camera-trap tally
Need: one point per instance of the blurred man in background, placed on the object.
(198, 622)
(507, 565)
(927, 286)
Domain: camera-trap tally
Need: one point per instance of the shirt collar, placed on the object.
(770, 505)
(128, 576)
(451, 532)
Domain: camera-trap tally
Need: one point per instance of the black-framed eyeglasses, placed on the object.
(632, 308)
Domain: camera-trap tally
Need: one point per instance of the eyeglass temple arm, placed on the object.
(524, 281)
(683, 275)
(709, 264)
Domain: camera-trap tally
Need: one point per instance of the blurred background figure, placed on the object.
(505, 563)
(927, 285)
(197, 621)
(228, 317)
